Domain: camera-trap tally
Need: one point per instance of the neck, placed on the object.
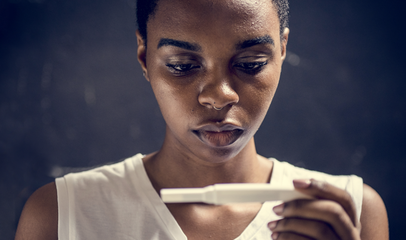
(169, 168)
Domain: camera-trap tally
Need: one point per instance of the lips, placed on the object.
(219, 136)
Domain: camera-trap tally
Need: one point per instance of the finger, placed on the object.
(320, 210)
(324, 190)
(304, 227)
(288, 236)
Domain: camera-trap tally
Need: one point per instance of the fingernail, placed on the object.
(278, 209)
(275, 235)
(272, 225)
(301, 183)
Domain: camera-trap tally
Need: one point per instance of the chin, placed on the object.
(222, 154)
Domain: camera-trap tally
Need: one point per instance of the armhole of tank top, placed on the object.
(356, 189)
(63, 208)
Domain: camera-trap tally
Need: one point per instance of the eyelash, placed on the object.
(250, 68)
(181, 69)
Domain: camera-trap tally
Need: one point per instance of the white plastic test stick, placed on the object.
(230, 193)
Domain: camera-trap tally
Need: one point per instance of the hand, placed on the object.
(331, 215)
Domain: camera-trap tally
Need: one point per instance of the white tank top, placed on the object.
(118, 202)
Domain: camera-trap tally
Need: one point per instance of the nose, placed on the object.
(218, 94)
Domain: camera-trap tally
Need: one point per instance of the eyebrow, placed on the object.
(179, 44)
(255, 41)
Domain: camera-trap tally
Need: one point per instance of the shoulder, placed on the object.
(39, 218)
(112, 177)
(351, 183)
(107, 173)
(374, 220)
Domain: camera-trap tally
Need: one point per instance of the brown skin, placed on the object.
(216, 75)
(244, 98)
(39, 219)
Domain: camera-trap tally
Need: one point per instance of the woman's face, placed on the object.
(207, 54)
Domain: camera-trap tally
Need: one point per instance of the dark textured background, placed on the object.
(72, 95)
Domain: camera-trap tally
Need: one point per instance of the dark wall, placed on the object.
(72, 95)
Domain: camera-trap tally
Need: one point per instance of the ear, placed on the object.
(284, 43)
(142, 53)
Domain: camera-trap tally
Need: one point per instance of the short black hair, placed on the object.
(147, 8)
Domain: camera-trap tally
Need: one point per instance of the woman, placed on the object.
(214, 66)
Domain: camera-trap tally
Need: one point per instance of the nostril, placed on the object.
(216, 108)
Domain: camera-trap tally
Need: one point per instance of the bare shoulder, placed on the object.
(374, 220)
(39, 218)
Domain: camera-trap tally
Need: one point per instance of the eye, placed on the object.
(251, 68)
(181, 69)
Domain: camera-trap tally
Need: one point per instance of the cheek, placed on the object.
(259, 96)
(174, 102)
(264, 89)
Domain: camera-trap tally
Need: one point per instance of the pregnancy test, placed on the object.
(231, 193)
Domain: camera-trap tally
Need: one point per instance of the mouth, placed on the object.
(218, 136)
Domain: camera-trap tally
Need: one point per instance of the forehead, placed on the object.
(239, 18)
